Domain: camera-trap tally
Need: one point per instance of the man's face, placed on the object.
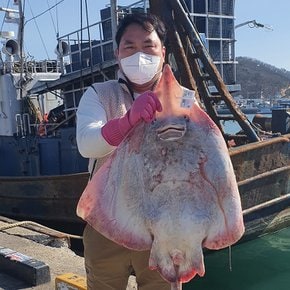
(136, 39)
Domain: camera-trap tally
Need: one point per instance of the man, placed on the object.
(106, 113)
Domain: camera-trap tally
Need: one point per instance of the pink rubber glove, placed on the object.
(143, 108)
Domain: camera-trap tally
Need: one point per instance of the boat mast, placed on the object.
(20, 38)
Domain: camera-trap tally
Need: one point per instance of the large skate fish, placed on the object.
(169, 187)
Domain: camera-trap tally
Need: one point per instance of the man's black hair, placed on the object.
(148, 22)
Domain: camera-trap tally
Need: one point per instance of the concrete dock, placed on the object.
(45, 251)
(51, 258)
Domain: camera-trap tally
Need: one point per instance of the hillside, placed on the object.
(258, 78)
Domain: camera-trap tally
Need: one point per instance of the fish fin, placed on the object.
(111, 206)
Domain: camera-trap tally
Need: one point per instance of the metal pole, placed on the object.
(114, 21)
(20, 38)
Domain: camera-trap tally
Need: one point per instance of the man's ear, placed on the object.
(116, 53)
(164, 52)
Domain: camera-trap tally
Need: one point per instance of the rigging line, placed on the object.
(51, 17)
(57, 23)
(45, 11)
(37, 27)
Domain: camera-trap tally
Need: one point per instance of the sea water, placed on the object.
(233, 127)
(259, 264)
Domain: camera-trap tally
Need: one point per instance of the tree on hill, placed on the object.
(259, 79)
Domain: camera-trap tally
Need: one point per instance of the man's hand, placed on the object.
(144, 108)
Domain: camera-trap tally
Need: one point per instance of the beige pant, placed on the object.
(109, 265)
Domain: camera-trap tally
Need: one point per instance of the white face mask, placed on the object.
(140, 67)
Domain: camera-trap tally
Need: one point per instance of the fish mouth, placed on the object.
(171, 132)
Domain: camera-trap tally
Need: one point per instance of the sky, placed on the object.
(268, 45)
(272, 47)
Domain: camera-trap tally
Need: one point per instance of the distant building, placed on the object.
(215, 19)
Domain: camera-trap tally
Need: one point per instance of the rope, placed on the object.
(54, 233)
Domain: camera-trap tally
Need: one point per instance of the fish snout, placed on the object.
(177, 257)
(177, 266)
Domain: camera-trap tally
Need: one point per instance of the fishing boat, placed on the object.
(246, 108)
(42, 173)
